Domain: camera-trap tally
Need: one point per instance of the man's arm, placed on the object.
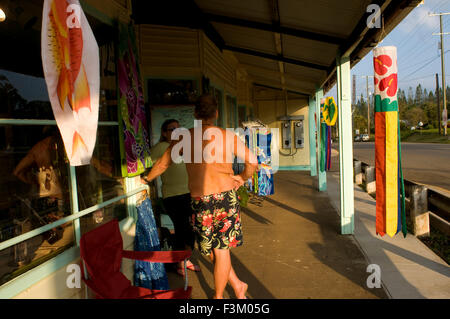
(23, 168)
(161, 165)
(250, 160)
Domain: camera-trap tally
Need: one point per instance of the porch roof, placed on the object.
(283, 44)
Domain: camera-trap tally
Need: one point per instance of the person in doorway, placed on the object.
(176, 197)
(212, 184)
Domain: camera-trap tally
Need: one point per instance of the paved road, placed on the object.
(424, 163)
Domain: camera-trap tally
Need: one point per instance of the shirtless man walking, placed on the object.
(212, 184)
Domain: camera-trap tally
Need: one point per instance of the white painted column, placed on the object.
(345, 145)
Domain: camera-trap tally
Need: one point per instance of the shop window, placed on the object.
(101, 180)
(34, 191)
(34, 170)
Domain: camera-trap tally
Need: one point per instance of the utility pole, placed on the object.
(438, 104)
(368, 106)
(368, 102)
(444, 87)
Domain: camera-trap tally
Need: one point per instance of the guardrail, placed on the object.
(424, 206)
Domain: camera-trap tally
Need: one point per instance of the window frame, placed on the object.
(71, 255)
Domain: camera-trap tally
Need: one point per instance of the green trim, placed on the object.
(322, 174)
(92, 11)
(28, 279)
(18, 239)
(31, 277)
(312, 136)
(295, 168)
(385, 105)
(73, 189)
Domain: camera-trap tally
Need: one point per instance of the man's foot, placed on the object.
(241, 291)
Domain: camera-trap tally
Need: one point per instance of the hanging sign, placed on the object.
(70, 60)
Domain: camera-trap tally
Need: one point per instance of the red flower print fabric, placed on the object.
(381, 64)
(389, 83)
(216, 221)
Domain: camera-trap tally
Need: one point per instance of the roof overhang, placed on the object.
(283, 44)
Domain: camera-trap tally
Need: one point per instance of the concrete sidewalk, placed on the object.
(292, 249)
(409, 269)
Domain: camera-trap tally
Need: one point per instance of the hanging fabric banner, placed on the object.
(328, 117)
(135, 146)
(390, 201)
(70, 60)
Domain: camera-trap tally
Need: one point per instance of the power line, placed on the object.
(424, 65)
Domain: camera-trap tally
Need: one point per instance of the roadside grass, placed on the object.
(424, 136)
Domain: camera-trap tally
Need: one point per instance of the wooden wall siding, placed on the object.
(244, 90)
(168, 51)
(220, 72)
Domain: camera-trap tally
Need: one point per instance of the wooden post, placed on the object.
(357, 172)
(371, 186)
(419, 210)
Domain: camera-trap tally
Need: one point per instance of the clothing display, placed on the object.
(147, 274)
(328, 117)
(259, 140)
(390, 201)
(217, 221)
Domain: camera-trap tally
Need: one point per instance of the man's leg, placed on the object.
(222, 267)
(239, 287)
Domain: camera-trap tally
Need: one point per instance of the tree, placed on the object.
(418, 99)
(410, 96)
(415, 115)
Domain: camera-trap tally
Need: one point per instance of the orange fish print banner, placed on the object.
(70, 59)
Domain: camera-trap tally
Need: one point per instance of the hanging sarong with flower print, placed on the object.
(135, 146)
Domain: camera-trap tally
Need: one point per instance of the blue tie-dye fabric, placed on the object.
(146, 274)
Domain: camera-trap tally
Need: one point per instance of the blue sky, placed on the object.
(418, 57)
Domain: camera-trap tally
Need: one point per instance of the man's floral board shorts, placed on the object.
(216, 221)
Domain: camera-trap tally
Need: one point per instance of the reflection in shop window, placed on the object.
(33, 192)
(101, 180)
(23, 97)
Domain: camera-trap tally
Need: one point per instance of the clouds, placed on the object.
(419, 18)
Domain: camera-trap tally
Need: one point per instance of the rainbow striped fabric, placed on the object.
(390, 190)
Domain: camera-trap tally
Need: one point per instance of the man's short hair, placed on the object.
(205, 107)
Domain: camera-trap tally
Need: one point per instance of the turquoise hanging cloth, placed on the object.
(147, 274)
